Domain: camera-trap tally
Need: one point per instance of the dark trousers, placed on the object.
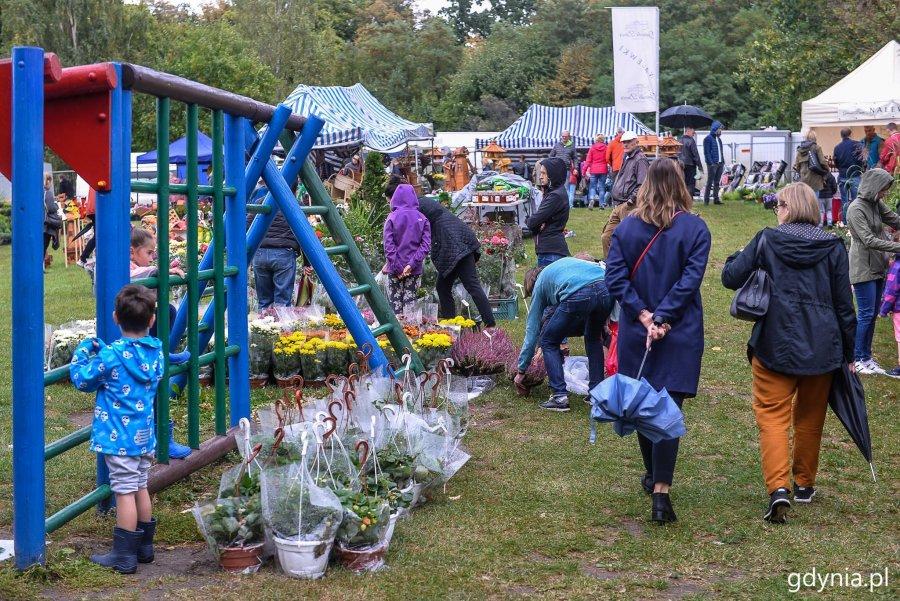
(660, 457)
(714, 176)
(690, 172)
(583, 313)
(91, 244)
(466, 273)
(47, 239)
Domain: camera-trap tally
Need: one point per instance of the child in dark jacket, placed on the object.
(407, 239)
(891, 305)
(826, 194)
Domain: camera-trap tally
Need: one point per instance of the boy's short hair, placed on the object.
(135, 308)
(140, 237)
(391, 187)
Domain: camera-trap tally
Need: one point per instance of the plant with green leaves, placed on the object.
(235, 522)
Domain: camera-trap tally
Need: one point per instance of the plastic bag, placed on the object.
(575, 370)
(295, 508)
(611, 364)
(479, 385)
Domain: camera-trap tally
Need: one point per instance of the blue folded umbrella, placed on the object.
(632, 404)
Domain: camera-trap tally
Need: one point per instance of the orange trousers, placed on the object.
(779, 400)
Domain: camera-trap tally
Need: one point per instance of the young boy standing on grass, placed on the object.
(125, 375)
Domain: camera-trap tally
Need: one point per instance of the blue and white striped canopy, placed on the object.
(541, 125)
(353, 116)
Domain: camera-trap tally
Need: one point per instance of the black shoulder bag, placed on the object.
(751, 301)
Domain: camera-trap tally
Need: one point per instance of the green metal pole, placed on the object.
(193, 381)
(70, 512)
(163, 393)
(218, 174)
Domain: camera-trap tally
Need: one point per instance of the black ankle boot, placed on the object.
(145, 547)
(662, 511)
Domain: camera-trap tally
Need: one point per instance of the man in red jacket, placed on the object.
(890, 151)
(596, 167)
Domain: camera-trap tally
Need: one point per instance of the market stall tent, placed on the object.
(540, 126)
(868, 95)
(353, 116)
(178, 151)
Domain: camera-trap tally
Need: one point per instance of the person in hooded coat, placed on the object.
(454, 252)
(407, 239)
(806, 334)
(548, 224)
(714, 153)
(809, 177)
(866, 218)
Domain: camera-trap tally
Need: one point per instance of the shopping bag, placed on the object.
(611, 364)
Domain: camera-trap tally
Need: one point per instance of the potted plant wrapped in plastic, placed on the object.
(304, 518)
(286, 356)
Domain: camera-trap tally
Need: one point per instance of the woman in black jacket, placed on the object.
(549, 222)
(806, 334)
(454, 252)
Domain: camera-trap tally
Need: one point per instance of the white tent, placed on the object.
(869, 95)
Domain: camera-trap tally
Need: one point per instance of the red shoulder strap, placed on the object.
(647, 248)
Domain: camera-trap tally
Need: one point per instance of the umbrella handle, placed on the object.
(644, 360)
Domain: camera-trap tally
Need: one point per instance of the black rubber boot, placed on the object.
(123, 557)
(662, 511)
(145, 547)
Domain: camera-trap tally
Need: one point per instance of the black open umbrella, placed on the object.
(684, 115)
(848, 401)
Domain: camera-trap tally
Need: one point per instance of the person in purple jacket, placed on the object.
(890, 305)
(407, 239)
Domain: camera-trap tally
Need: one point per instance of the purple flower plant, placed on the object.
(475, 354)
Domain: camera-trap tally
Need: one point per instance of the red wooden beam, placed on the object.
(76, 117)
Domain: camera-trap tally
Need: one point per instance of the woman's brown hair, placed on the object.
(800, 202)
(662, 194)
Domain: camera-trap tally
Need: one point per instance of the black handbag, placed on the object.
(814, 165)
(751, 301)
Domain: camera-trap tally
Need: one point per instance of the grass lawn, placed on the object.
(537, 512)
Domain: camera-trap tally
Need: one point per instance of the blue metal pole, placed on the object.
(28, 304)
(290, 170)
(254, 168)
(113, 233)
(319, 259)
(236, 254)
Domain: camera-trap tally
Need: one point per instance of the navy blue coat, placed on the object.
(667, 283)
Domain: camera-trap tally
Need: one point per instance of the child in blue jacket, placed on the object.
(125, 375)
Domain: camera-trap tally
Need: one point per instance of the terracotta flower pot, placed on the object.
(365, 559)
(258, 382)
(238, 559)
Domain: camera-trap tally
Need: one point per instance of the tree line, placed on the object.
(472, 66)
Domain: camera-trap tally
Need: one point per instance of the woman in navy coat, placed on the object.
(660, 299)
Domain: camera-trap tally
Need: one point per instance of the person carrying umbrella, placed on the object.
(689, 158)
(806, 334)
(654, 269)
(569, 298)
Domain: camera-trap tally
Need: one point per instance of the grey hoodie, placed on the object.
(866, 217)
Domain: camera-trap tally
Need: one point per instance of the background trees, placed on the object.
(473, 66)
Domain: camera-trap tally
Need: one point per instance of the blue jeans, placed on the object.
(570, 188)
(597, 189)
(848, 187)
(583, 313)
(868, 297)
(545, 259)
(274, 273)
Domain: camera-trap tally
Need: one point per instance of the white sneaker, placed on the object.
(876, 369)
(863, 369)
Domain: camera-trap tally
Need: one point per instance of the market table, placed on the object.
(522, 207)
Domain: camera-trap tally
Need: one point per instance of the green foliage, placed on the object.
(370, 197)
(236, 521)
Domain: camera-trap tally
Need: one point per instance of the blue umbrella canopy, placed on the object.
(633, 404)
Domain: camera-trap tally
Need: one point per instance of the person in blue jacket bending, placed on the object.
(569, 298)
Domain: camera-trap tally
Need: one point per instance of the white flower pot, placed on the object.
(303, 559)
(389, 531)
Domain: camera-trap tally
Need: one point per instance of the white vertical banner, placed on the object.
(636, 58)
